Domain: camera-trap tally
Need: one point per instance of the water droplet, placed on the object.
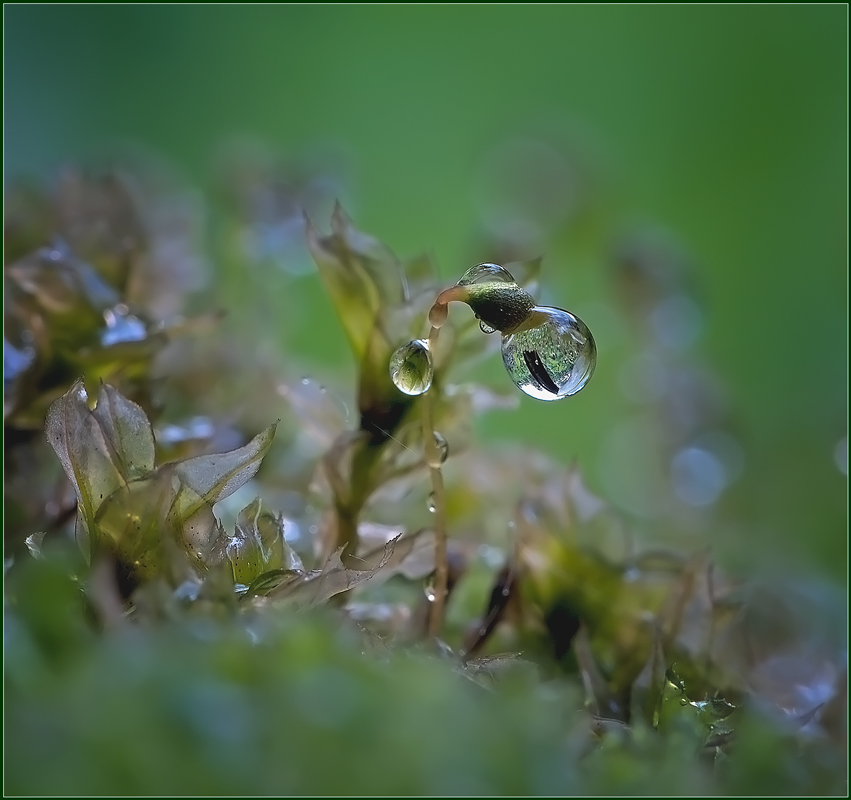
(412, 368)
(429, 592)
(551, 355)
(485, 328)
(122, 326)
(486, 273)
(496, 299)
(441, 451)
(432, 504)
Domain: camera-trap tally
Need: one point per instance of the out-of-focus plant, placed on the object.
(186, 652)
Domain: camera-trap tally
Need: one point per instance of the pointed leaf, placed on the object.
(258, 546)
(208, 479)
(334, 577)
(359, 274)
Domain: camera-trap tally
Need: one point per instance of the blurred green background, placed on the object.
(725, 126)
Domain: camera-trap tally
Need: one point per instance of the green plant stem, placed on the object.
(433, 459)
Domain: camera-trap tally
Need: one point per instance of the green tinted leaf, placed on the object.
(100, 449)
(359, 274)
(258, 546)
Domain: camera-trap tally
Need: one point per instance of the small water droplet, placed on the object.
(440, 453)
(485, 328)
(305, 381)
(486, 273)
(551, 355)
(412, 368)
(122, 326)
(429, 592)
(432, 504)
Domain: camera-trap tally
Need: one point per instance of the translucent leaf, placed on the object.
(61, 283)
(33, 543)
(100, 449)
(318, 586)
(411, 555)
(321, 415)
(133, 520)
(258, 545)
(490, 669)
(208, 479)
(349, 263)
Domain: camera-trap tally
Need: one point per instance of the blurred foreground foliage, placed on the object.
(153, 647)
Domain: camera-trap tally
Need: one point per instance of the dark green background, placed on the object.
(727, 125)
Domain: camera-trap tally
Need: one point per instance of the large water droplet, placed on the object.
(412, 368)
(440, 452)
(551, 355)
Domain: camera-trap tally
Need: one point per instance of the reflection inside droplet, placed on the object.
(412, 368)
(441, 451)
(551, 355)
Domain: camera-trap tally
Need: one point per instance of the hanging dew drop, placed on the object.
(550, 355)
(432, 503)
(485, 328)
(437, 456)
(412, 368)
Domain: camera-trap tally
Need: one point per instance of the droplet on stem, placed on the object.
(412, 368)
(437, 456)
(550, 355)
